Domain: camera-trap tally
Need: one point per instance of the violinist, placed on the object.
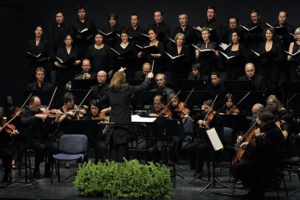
(266, 157)
(202, 145)
(7, 149)
(179, 111)
(36, 133)
(159, 110)
(229, 108)
(275, 106)
(101, 146)
(11, 110)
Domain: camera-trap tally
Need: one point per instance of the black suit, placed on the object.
(44, 86)
(258, 81)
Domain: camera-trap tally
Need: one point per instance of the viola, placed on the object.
(14, 112)
(232, 111)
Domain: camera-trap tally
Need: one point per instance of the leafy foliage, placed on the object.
(129, 179)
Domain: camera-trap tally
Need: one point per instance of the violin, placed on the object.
(101, 116)
(9, 128)
(14, 112)
(184, 112)
(232, 111)
(165, 112)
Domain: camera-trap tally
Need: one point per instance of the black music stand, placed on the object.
(235, 85)
(142, 100)
(188, 85)
(168, 129)
(247, 103)
(85, 84)
(217, 145)
(237, 122)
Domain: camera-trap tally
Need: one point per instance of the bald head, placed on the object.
(250, 70)
(146, 68)
(257, 109)
(101, 77)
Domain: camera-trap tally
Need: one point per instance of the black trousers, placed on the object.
(6, 153)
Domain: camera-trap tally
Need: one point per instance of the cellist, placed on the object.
(202, 145)
(266, 155)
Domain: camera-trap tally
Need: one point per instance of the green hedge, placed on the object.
(129, 179)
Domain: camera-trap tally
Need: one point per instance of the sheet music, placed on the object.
(137, 118)
(214, 139)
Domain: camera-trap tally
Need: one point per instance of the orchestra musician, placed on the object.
(7, 148)
(85, 73)
(100, 89)
(12, 111)
(119, 94)
(217, 88)
(36, 130)
(266, 155)
(201, 146)
(161, 84)
(229, 108)
(101, 146)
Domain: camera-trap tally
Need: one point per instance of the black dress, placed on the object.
(127, 59)
(235, 65)
(120, 116)
(101, 59)
(295, 62)
(209, 59)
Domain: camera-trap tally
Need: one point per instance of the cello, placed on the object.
(244, 154)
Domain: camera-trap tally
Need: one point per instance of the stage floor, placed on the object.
(184, 189)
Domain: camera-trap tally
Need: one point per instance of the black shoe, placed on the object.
(37, 174)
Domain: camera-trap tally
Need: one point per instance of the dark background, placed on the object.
(19, 19)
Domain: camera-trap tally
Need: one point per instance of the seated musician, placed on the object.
(85, 73)
(40, 83)
(229, 108)
(66, 113)
(201, 146)
(7, 148)
(179, 111)
(161, 84)
(197, 73)
(257, 80)
(100, 89)
(36, 132)
(101, 146)
(266, 155)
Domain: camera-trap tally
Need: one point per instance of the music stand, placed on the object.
(293, 102)
(236, 122)
(168, 129)
(134, 82)
(235, 85)
(85, 84)
(142, 100)
(188, 85)
(253, 98)
(217, 145)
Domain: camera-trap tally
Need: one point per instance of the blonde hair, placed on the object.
(274, 99)
(118, 80)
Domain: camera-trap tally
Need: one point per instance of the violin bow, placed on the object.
(152, 67)
(26, 101)
(289, 100)
(169, 102)
(83, 100)
(242, 99)
(13, 118)
(189, 96)
(52, 97)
